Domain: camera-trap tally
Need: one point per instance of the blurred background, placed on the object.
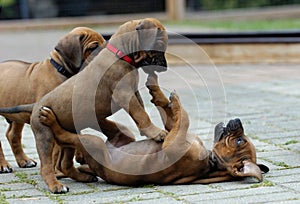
(24, 9)
(230, 31)
(13, 9)
(216, 14)
(16, 9)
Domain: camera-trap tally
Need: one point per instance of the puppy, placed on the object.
(24, 83)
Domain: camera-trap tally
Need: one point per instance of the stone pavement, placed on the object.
(265, 97)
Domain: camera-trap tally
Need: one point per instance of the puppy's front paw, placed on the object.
(155, 133)
(59, 188)
(161, 136)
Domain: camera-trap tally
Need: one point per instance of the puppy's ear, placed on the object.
(219, 132)
(235, 126)
(150, 36)
(69, 47)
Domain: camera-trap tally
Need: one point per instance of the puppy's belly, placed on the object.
(137, 158)
(142, 147)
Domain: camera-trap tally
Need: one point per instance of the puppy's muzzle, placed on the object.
(157, 63)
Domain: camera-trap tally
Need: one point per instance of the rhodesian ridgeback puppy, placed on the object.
(24, 83)
(182, 156)
(109, 83)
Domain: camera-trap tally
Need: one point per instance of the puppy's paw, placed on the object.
(59, 189)
(174, 102)
(47, 116)
(161, 136)
(27, 163)
(5, 167)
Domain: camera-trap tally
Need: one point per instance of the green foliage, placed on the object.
(232, 4)
(23, 177)
(241, 24)
(291, 142)
(6, 3)
(265, 183)
(3, 199)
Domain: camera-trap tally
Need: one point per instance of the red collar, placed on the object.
(120, 54)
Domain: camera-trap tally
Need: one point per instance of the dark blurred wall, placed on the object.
(13, 9)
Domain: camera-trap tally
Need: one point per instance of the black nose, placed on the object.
(161, 64)
(164, 62)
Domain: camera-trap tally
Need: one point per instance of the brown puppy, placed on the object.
(107, 84)
(182, 156)
(24, 83)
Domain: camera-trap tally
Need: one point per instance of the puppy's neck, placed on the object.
(215, 163)
(59, 60)
(127, 42)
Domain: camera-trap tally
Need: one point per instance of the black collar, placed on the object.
(61, 69)
(213, 160)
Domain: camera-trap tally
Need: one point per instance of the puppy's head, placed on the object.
(77, 46)
(235, 152)
(145, 40)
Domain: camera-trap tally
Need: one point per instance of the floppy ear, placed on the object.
(219, 132)
(69, 47)
(249, 170)
(234, 125)
(147, 33)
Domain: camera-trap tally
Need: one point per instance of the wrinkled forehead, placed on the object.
(80, 30)
(154, 39)
(83, 30)
(156, 23)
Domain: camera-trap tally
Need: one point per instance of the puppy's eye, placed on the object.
(239, 141)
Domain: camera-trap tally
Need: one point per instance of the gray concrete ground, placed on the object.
(265, 97)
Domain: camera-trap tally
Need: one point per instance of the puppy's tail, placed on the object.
(17, 109)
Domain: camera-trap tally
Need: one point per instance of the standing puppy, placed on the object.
(25, 83)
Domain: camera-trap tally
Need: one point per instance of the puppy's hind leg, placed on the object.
(69, 142)
(14, 136)
(4, 165)
(45, 143)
